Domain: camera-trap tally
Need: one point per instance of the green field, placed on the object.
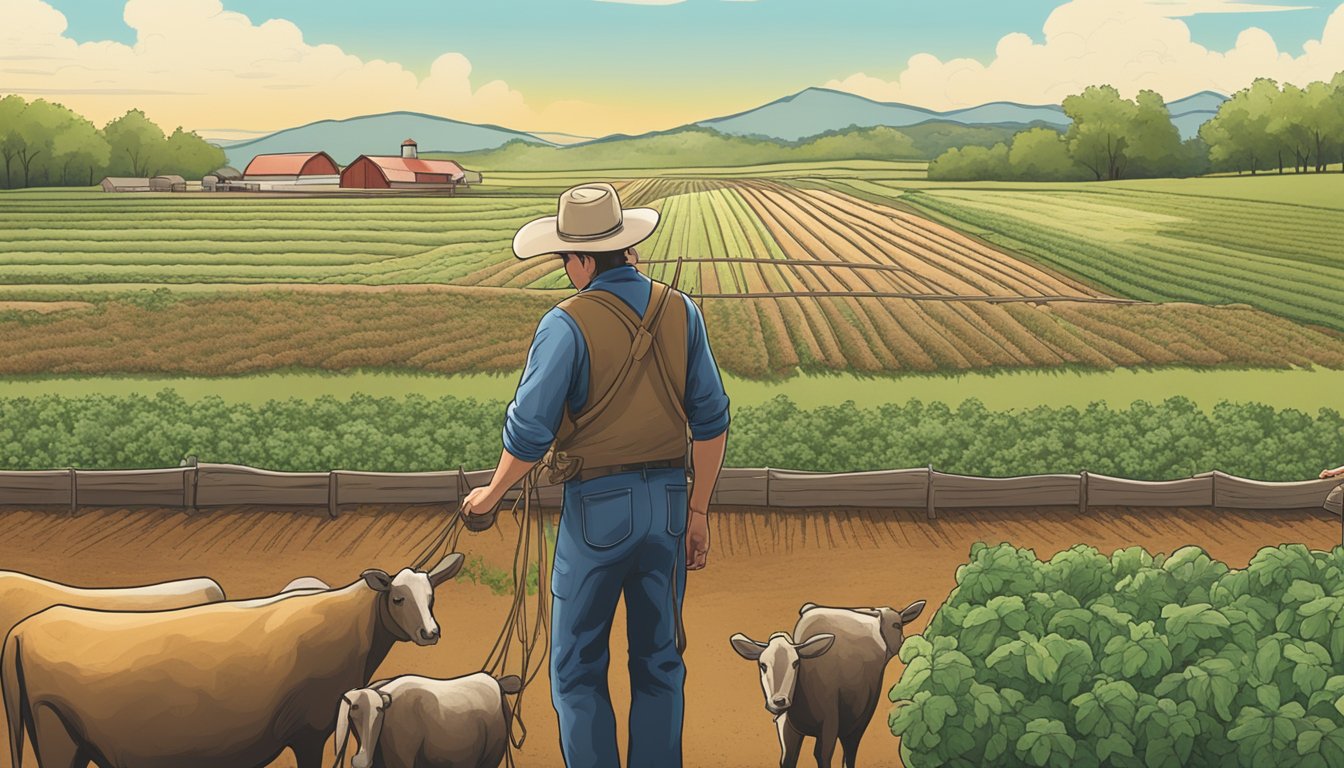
(1273, 242)
(1299, 389)
(818, 267)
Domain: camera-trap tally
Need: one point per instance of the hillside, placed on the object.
(698, 147)
(347, 139)
(817, 110)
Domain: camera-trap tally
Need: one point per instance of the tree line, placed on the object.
(1271, 127)
(1144, 441)
(44, 144)
(1263, 127)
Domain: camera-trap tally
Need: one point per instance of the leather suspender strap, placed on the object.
(639, 347)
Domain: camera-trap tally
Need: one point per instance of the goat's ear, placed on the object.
(814, 646)
(377, 580)
(806, 607)
(387, 699)
(912, 611)
(446, 569)
(746, 647)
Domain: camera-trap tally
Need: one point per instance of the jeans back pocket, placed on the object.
(676, 509)
(608, 517)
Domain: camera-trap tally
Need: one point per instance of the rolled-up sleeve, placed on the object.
(534, 415)
(706, 402)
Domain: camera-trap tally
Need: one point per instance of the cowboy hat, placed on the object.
(590, 219)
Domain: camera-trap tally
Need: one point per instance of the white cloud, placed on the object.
(1130, 44)
(1196, 7)
(197, 65)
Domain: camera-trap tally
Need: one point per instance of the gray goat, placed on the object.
(827, 684)
(422, 722)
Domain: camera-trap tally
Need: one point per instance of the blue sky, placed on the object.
(597, 66)
(774, 42)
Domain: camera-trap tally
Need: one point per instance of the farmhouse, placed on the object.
(289, 170)
(125, 184)
(406, 171)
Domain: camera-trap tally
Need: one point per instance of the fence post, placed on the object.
(189, 482)
(1213, 480)
(767, 487)
(332, 485)
(931, 512)
(74, 490)
(1082, 492)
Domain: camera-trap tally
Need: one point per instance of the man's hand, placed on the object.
(697, 539)
(481, 500)
(1329, 473)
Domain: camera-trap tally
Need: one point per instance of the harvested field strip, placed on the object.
(999, 268)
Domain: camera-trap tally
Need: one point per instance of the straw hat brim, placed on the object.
(542, 237)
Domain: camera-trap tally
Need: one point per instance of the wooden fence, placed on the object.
(195, 486)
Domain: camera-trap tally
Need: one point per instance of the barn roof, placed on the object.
(285, 164)
(227, 172)
(404, 169)
(126, 181)
(169, 177)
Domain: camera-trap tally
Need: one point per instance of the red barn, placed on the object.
(302, 167)
(372, 172)
(404, 172)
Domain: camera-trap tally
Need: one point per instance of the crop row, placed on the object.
(1156, 256)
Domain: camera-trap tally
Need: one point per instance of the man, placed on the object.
(616, 377)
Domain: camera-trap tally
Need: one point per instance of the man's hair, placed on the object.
(605, 260)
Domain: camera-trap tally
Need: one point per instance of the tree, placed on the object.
(38, 124)
(1238, 135)
(971, 164)
(11, 107)
(1288, 128)
(80, 146)
(191, 156)
(1337, 100)
(1153, 143)
(1098, 135)
(136, 145)
(1042, 154)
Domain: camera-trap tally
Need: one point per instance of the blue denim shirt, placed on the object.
(557, 372)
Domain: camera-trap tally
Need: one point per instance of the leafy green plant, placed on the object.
(1136, 660)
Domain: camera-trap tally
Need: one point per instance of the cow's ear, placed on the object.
(387, 699)
(446, 569)
(814, 646)
(746, 647)
(806, 607)
(377, 580)
(912, 611)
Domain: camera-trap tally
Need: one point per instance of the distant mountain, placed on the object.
(817, 110)
(382, 134)
(1193, 111)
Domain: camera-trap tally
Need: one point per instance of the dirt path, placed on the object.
(764, 564)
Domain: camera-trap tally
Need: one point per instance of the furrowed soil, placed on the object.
(764, 564)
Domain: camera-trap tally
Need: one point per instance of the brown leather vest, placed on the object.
(633, 415)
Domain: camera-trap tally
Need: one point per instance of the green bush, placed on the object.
(1133, 660)
(413, 434)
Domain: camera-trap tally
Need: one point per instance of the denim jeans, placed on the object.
(619, 535)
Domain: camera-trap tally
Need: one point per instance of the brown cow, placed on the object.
(22, 596)
(216, 686)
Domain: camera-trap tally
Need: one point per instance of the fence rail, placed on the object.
(197, 485)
